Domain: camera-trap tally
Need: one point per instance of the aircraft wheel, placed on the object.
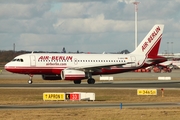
(91, 81)
(30, 81)
(77, 81)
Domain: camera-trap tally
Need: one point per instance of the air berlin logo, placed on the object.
(151, 38)
(55, 58)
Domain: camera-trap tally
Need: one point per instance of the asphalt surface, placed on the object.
(112, 85)
(107, 105)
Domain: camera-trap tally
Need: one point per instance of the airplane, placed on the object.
(76, 67)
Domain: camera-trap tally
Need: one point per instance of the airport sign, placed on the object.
(53, 96)
(146, 91)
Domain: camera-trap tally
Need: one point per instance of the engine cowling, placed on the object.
(51, 77)
(72, 75)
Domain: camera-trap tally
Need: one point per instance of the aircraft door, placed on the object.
(32, 60)
(133, 59)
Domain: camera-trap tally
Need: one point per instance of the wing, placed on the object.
(94, 68)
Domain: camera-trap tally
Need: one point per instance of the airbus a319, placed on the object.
(76, 67)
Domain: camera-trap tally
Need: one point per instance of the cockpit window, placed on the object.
(18, 60)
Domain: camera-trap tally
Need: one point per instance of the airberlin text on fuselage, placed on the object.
(151, 38)
(55, 58)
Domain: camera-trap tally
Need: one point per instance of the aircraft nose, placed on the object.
(11, 67)
(7, 67)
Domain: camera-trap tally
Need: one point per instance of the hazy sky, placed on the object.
(85, 25)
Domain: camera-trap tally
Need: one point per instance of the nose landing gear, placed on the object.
(30, 79)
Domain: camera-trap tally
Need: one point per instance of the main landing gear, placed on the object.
(30, 79)
(89, 81)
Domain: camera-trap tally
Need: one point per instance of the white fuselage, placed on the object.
(48, 63)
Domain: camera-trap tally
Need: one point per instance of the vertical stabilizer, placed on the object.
(150, 44)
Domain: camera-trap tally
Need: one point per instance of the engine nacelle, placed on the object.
(72, 75)
(51, 77)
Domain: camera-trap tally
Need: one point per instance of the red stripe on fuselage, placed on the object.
(35, 70)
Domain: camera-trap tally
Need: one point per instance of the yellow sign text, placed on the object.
(146, 91)
(53, 96)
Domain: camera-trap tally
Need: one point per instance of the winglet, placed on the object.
(150, 44)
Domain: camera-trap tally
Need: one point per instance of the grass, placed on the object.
(93, 114)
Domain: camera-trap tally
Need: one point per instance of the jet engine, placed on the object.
(72, 75)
